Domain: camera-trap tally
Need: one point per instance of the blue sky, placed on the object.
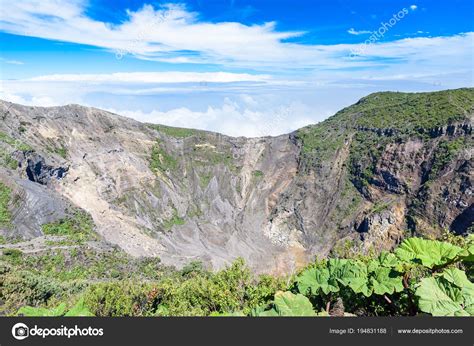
(240, 67)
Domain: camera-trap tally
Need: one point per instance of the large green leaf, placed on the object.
(386, 281)
(316, 280)
(429, 253)
(468, 254)
(459, 279)
(387, 259)
(354, 275)
(441, 297)
(365, 278)
(456, 277)
(289, 304)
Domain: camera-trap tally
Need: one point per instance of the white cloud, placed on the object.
(171, 33)
(159, 34)
(413, 7)
(234, 119)
(352, 31)
(42, 101)
(11, 62)
(155, 77)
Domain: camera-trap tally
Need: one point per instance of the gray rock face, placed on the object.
(33, 205)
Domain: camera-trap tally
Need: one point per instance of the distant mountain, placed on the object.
(391, 165)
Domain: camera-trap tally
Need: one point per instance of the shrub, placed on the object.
(12, 255)
(26, 288)
(124, 298)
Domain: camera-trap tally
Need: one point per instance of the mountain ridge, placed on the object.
(184, 194)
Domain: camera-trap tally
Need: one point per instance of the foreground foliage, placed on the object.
(419, 277)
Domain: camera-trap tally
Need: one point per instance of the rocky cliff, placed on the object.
(393, 164)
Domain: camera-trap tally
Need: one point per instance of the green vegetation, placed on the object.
(174, 220)
(288, 304)
(349, 202)
(378, 118)
(4, 138)
(8, 145)
(257, 174)
(177, 132)
(207, 150)
(13, 255)
(5, 197)
(420, 276)
(161, 161)
(194, 211)
(409, 113)
(321, 141)
(205, 156)
(77, 228)
(6, 160)
(205, 179)
(380, 206)
(61, 151)
(366, 149)
(80, 263)
(445, 153)
(447, 294)
(57, 146)
(79, 309)
(404, 279)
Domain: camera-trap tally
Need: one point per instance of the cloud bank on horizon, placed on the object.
(238, 67)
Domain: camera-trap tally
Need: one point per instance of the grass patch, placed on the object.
(5, 197)
(6, 160)
(177, 132)
(174, 220)
(257, 174)
(205, 179)
(161, 161)
(380, 206)
(195, 212)
(206, 156)
(14, 143)
(12, 255)
(61, 151)
(78, 228)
